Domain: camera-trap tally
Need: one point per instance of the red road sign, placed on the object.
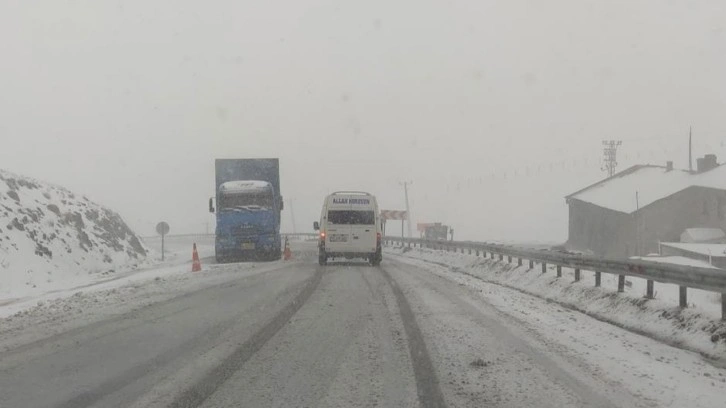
(393, 215)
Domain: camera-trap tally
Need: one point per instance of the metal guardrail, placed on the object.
(211, 236)
(178, 236)
(712, 280)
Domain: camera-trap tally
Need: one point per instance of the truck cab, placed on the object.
(248, 210)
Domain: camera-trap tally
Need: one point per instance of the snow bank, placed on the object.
(697, 328)
(52, 239)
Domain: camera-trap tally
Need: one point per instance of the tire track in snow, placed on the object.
(198, 393)
(427, 383)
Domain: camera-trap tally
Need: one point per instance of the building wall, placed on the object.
(604, 232)
(614, 234)
(717, 261)
(670, 251)
(666, 219)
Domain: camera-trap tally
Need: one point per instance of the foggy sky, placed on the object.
(494, 109)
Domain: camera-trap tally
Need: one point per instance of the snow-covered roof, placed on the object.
(701, 249)
(694, 235)
(651, 183)
(244, 186)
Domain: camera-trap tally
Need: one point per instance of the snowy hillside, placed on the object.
(50, 238)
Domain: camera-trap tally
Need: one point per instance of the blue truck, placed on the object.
(248, 212)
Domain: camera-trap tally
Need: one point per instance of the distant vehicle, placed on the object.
(350, 227)
(248, 209)
(436, 232)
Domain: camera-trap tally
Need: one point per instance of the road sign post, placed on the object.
(395, 215)
(162, 229)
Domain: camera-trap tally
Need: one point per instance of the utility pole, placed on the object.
(408, 208)
(637, 224)
(292, 215)
(690, 149)
(610, 152)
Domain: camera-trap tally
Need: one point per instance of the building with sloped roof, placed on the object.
(629, 213)
(712, 254)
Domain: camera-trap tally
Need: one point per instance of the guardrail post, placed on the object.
(477, 252)
(723, 306)
(598, 279)
(501, 257)
(577, 274)
(509, 259)
(519, 262)
(469, 251)
(683, 296)
(544, 267)
(621, 283)
(559, 271)
(531, 264)
(649, 289)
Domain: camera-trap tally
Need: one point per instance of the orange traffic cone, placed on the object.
(196, 263)
(287, 253)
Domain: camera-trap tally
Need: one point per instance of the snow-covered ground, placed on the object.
(178, 257)
(52, 239)
(39, 316)
(696, 328)
(530, 347)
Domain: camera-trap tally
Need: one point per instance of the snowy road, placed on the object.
(346, 335)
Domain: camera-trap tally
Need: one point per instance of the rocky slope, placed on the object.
(51, 238)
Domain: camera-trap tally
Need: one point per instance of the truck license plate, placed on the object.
(338, 238)
(248, 245)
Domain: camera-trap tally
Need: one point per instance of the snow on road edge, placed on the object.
(68, 310)
(695, 328)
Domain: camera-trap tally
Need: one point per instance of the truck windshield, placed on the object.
(246, 201)
(351, 217)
